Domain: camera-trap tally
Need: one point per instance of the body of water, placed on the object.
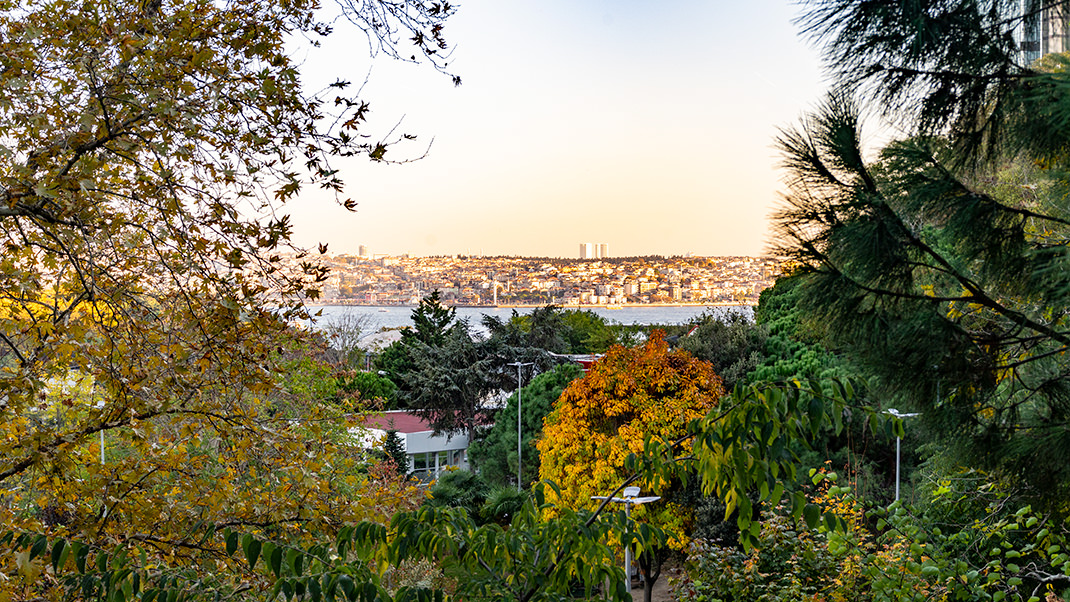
(394, 316)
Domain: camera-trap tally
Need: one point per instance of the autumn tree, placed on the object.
(629, 397)
(147, 151)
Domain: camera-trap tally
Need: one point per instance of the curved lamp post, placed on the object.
(630, 498)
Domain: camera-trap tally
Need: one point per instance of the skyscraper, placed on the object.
(1044, 29)
(594, 250)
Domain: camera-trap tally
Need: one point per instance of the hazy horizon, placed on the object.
(646, 126)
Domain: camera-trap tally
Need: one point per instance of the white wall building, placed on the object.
(428, 454)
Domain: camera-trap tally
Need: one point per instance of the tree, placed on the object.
(450, 383)
(278, 466)
(147, 151)
(344, 333)
(394, 450)
(431, 321)
(734, 345)
(556, 330)
(369, 386)
(628, 398)
(432, 325)
(495, 454)
(923, 255)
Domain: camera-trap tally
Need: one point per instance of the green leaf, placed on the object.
(38, 547)
(812, 514)
(275, 561)
(81, 553)
(346, 583)
(294, 560)
(231, 538)
(251, 546)
(60, 550)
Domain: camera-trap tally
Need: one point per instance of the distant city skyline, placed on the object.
(647, 126)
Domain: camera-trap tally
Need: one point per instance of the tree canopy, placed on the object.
(629, 396)
(147, 152)
(941, 265)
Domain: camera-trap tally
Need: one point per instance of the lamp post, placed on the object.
(898, 439)
(519, 413)
(631, 498)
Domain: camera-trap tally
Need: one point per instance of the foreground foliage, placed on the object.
(968, 544)
(147, 150)
(530, 559)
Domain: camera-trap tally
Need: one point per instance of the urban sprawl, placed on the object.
(487, 281)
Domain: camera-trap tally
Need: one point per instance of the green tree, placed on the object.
(431, 321)
(495, 455)
(557, 330)
(369, 386)
(793, 348)
(449, 384)
(395, 451)
(459, 489)
(734, 345)
(432, 324)
(951, 291)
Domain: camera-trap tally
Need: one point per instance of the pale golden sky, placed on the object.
(645, 125)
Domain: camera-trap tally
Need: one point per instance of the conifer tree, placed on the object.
(941, 265)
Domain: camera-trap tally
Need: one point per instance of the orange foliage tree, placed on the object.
(629, 395)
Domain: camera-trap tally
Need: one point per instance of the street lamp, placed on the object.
(631, 498)
(899, 415)
(519, 413)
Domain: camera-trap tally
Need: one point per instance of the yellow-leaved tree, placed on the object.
(631, 394)
(147, 151)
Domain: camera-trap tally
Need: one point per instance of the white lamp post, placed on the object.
(899, 415)
(631, 498)
(519, 413)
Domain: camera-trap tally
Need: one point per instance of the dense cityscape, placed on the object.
(608, 281)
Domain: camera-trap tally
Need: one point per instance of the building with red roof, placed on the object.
(428, 453)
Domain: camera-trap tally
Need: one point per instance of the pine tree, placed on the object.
(395, 451)
(942, 266)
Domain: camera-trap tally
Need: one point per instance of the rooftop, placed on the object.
(397, 420)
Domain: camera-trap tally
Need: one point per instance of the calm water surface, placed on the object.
(397, 316)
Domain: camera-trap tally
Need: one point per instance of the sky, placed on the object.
(648, 126)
